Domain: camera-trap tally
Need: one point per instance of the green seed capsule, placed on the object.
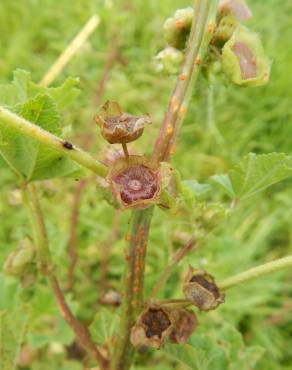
(177, 28)
(169, 60)
(243, 59)
(18, 261)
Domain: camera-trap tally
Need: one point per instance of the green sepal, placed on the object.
(231, 62)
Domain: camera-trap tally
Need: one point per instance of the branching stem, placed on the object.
(256, 272)
(44, 260)
(165, 274)
(26, 128)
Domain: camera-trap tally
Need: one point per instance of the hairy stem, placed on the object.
(165, 274)
(41, 242)
(134, 279)
(256, 272)
(70, 51)
(200, 36)
(23, 126)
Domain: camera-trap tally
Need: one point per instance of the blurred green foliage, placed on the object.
(224, 123)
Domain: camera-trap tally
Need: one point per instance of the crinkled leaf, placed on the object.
(13, 323)
(30, 159)
(254, 174)
(201, 353)
(23, 88)
(239, 355)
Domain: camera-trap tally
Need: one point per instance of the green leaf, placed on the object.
(13, 323)
(31, 160)
(239, 355)
(23, 88)
(254, 174)
(103, 326)
(200, 354)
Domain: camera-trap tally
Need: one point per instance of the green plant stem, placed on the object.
(256, 272)
(31, 201)
(165, 274)
(133, 294)
(23, 126)
(200, 36)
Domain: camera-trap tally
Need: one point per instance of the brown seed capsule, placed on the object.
(135, 182)
(201, 289)
(152, 328)
(118, 127)
(184, 325)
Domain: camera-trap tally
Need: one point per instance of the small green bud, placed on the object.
(243, 59)
(169, 60)
(18, 261)
(177, 28)
(225, 29)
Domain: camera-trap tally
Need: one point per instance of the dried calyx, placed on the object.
(158, 323)
(118, 127)
(135, 182)
(200, 288)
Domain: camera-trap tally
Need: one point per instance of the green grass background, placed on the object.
(33, 34)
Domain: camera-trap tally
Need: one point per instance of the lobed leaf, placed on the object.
(255, 173)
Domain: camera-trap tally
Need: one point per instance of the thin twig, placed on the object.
(165, 274)
(134, 282)
(70, 51)
(105, 251)
(113, 56)
(198, 42)
(72, 249)
(256, 272)
(41, 242)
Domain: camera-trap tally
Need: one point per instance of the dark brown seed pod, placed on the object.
(135, 182)
(118, 127)
(184, 325)
(200, 288)
(152, 328)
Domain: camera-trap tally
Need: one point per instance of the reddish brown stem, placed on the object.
(72, 250)
(106, 248)
(113, 56)
(196, 49)
(165, 274)
(80, 331)
(30, 199)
